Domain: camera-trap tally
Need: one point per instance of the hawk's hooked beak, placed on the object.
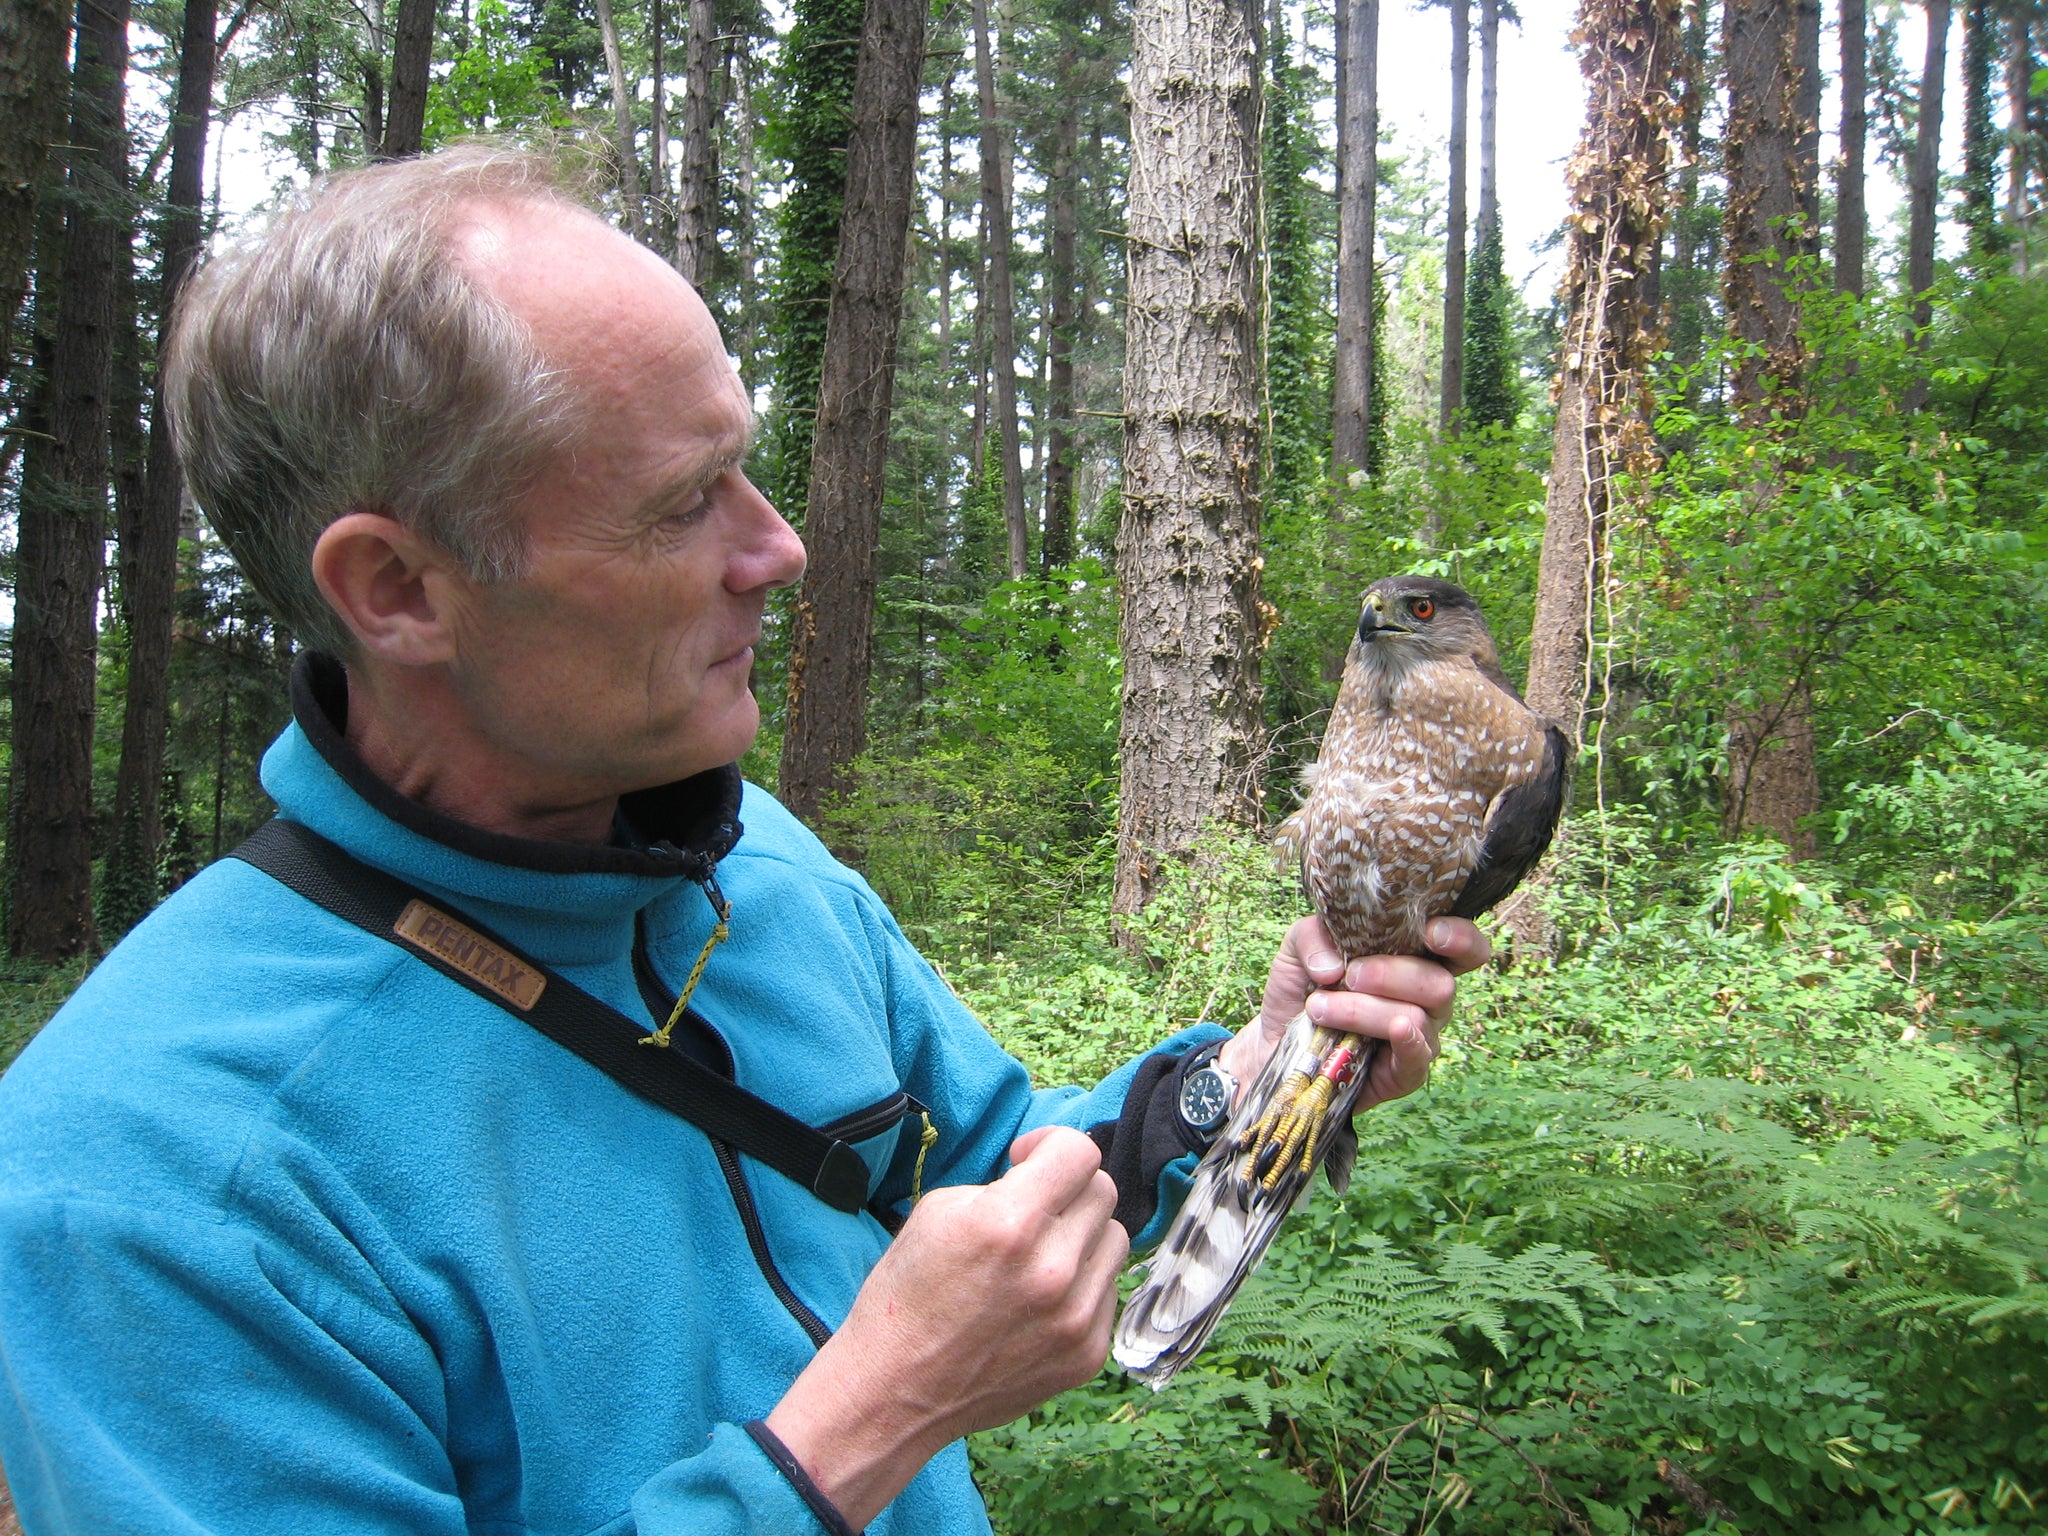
(1380, 618)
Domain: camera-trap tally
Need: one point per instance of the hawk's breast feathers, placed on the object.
(1435, 791)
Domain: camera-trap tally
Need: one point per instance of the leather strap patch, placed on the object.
(457, 944)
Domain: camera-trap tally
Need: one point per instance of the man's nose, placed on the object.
(772, 554)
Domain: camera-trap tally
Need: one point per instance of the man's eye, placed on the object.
(682, 516)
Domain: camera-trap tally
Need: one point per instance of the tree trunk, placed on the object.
(1689, 285)
(149, 533)
(1772, 783)
(412, 57)
(63, 520)
(1453, 392)
(1062, 278)
(373, 108)
(1806, 108)
(1852, 224)
(1001, 297)
(1765, 200)
(1192, 624)
(834, 620)
(1620, 196)
(1924, 183)
(32, 38)
(626, 139)
(661, 206)
(1358, 179)
(697, 207)
(819, 65)
(1489, 387)
(1979, 157)
(1489, 109)
(2019, 86)
(945, 190)
(738, 88)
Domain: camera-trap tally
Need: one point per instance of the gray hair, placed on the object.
(341, 361)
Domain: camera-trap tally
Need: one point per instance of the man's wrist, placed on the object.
(855, 1447)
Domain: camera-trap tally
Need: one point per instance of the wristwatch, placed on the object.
(1206, 1092)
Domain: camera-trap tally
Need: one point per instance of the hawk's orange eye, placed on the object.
(1422, 608)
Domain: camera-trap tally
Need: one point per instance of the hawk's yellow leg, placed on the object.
(1291, 1128)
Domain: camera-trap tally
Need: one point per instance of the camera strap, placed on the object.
(499, 972)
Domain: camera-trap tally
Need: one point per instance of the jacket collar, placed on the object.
(566, 903)
(683, 828)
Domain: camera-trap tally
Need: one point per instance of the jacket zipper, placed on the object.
(873, 1120)
(750, 1220)
(652, 993)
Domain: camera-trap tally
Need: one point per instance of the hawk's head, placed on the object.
(1408, 619)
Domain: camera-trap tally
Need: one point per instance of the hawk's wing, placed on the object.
(1518, 828)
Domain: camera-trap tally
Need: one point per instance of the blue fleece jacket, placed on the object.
(297, 1234)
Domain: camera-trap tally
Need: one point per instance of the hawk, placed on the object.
(1436, 790)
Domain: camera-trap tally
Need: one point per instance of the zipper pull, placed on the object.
(722, 909)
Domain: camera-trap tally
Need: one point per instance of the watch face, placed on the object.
(1205, 1099)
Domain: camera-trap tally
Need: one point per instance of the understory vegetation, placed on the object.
(1728, 1218)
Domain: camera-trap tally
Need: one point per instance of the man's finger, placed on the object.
(1308, 942)
(1427, 984)
(1051, 1167)
(1375, 1017)
(1461, 944)
(1077, 1231)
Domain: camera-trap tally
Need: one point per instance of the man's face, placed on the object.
(620, 659)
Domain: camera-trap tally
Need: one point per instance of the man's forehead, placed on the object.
(580, 284)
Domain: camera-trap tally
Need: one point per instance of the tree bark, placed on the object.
(697, 205)
(661, 205)
(1001, 297)
(32, 38)
(63, 520)
(1924, 184)
(2019, 85)
(1766, 200)
(412, 57)
(738, 87)
(1063, 219)
(1620, 198)
(626, 138)
(1979, 158)
(1358, 178)
(945, 191)
(833, 625)
(1772, 782)
(1806, 108)
(1489, 111)
(1453, 389)
(148, 547)
(1852, 223)
(1192, 625)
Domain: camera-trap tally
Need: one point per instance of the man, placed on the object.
(296, 1232)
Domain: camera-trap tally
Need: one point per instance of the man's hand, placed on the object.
(992, 1299)
(1400, 999)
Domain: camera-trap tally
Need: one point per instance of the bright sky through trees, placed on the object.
(1542, 101)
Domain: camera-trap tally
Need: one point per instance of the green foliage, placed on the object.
(1724, 1189)
(1299, 254)
(814, 114)
(1844, 547)
(496, 83)
(1493, 383)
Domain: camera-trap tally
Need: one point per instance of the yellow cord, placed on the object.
(719, 930)
(926, 1140)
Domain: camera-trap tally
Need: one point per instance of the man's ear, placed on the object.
(400, 595)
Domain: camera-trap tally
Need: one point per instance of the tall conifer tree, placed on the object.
(819, 61)
(1188, 549)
